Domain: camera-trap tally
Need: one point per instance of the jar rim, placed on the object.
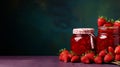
(83, 30)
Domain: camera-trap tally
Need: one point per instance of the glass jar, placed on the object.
(82, 40)
(107, 36)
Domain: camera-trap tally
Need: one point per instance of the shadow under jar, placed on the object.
(82, 40)
(107, 36)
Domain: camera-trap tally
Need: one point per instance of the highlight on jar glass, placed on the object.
(107, 36)
(82, 40)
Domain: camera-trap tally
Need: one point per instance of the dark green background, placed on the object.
(42, 27)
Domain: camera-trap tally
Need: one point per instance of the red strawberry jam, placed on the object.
(82, 40)
(107, 36)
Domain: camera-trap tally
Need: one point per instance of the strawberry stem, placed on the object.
(112, 20)
(103, 17)
(62, 50)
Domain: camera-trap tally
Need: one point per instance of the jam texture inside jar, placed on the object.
(82, 40)
(107, 36)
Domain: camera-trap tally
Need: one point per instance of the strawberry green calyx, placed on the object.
(112, 20)
(96, 55)
(73, 53)
(102, 17)
(83, 54)
(62, 50)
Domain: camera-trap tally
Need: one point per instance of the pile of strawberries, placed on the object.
(105, 56)
(102, 21)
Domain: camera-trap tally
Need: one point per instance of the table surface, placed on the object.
(42, 61)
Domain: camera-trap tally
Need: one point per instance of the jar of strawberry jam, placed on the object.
(82, 40)
(107, 36)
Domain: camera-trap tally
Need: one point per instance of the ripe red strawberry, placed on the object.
(98, 59)
(117, 23)
(108, 58)
(101, 21)
(102, 53)
(111, 50)
(90, 56)
(75, 59)
(117, 57)
(64, 55)
(65, 58)
(63, 51)
(108, 24)
(117, 50)
(85, 59)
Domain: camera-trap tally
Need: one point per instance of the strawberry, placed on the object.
(117, 57)
(117, 50)
(111, 50)
(65, 58)
(108, 58)
(98, 59)
(117, 23)
(64, 55)
(90, 56)
(75, 59)
(63, 51)
(102, 53)
(85, 59)
(101, 21)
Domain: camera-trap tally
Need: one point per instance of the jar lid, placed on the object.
(83, 30)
